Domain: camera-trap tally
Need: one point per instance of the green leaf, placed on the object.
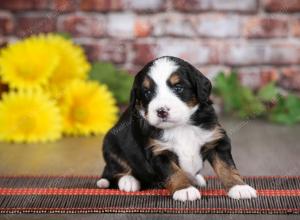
(268, 93)
(287, 110)
(118, 81)
(238, 99)
(243, 102)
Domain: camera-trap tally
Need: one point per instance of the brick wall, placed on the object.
(258, 38)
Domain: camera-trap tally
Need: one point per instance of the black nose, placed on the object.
(162, 112)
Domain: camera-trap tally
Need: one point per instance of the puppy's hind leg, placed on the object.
(110, 176)
(117, 174)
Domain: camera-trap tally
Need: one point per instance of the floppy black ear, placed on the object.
(132, 99)
(201, 84)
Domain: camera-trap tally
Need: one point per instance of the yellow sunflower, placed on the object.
(28, 64)
(72, 63)
(88, 107)
(28, 116)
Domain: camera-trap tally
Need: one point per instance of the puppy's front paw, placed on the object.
(103, 183)
(200, 180)
(128, 183)
(242, 192)
(188, 194)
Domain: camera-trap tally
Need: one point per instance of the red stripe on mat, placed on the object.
(98, 177)
(138, 209)
(115, 192)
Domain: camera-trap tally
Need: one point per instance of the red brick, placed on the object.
(142, 28)
(268, 75)
(143, 53)
(218, 5)
(290, 78)
(256, 77)
(113, 51)
(282, 6)
(6, 23)
(121, 25)
(295, 27)
(258, 27)
(178, 25)
(101, 5)
(192, 51)
(250, 77)
(3, 42)
(92, 50)
(235, 5)
(65, 5)
(284, 53)
(212, 71)
(192, 5)
(133, 69)
(20, 5)
(261, 53)
(87, 25)
(146, 6)
(28, 25)
(218, 25)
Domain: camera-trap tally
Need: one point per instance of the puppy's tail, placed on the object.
(103, 183)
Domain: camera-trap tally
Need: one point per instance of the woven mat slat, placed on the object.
(78, 194)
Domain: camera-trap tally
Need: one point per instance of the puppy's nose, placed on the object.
(162, 112)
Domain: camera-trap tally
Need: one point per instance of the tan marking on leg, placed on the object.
(178, 179)
(228, 175)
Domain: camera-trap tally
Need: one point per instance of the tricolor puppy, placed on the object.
(168, 130)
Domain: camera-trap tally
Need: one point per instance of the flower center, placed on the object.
(27, 73)
(79, 114)
(26, 123)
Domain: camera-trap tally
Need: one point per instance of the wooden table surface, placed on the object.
(259, 148)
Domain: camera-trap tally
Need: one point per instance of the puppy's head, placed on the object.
(168, 90)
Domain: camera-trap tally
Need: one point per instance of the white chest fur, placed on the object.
(186, 142)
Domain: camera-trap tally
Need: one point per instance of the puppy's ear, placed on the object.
(201, 84)
(132, 100)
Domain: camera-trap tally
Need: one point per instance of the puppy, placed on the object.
(168, 130)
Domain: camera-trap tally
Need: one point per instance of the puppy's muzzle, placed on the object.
(163, 112)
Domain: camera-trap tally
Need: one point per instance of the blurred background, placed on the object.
(250, 49)
(258, 38)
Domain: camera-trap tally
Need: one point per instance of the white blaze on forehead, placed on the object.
(162, 70)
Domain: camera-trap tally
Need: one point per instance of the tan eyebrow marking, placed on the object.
(146, 83)
(174, 78)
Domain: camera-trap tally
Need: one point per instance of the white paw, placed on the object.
(188, 194)
(128, 183)
(242, 192)
(200, 180)
(103, 183)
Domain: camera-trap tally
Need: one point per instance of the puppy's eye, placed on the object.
(178, 88)
(148, 93)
